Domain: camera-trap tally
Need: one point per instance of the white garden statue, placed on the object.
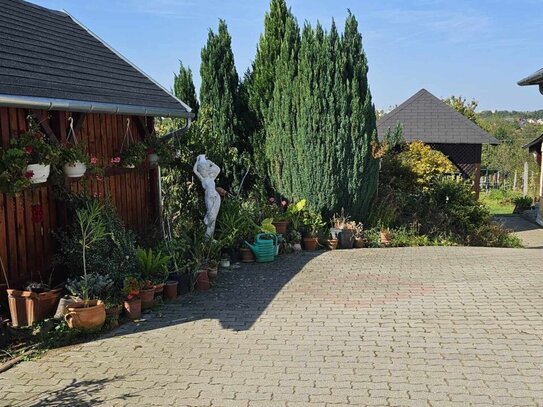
(206, 171)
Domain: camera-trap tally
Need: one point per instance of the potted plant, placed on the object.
(153, 269)
(36, 150)
(279, 215)
(36, 303)
(295, 240)
(313, 223)
(158, 152)
(342, 229)
(358, 230)
(132, 300)
(329, 242)
(385, 237)
(14, 176)
(74, 160)
(131, 156)
(89, 313)
(170, 289)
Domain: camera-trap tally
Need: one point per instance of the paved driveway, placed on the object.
(391, 327)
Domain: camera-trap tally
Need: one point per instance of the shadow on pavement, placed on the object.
(237, 298)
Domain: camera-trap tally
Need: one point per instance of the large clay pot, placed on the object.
(74, 170)
(147, 298)
(310, 243)
(170, 290)
(132, 308)
(247, 255)
(202, 280)
(40, 173)
(27, 307)
(280, 226)
(86, 316)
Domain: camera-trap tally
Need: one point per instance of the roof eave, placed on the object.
(30, 102)
(534, 79)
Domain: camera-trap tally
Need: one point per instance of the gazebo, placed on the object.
(54, 68)
(426, 118)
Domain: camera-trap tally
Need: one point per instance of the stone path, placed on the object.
(389, 327)
(530, 233)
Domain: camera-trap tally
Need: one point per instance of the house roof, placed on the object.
(535, 144)
(534, 79)
(425, 117)
(48, 60)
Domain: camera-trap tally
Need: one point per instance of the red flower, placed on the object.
(29, 174)
(28, 150)
(94, 160)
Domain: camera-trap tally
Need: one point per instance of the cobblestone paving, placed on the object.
(389, 327)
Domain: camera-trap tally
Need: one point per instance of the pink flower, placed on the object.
(94, 160)
(284, 203)
(272, 199)
(29, 174)
(115, 160)
(28, 150)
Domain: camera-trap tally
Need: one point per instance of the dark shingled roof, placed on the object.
(47, 56)
(534, 79)
(425, 117)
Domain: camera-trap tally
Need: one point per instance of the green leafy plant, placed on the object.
(93, 230)
(165, 152)
(313, 223)
(267, 226)
(295, 236)
(131, 287)
(153, 265)
(35, 145)
(13, 175)
(71, 153)
(295, 214)
(132, 155)
(95, 286)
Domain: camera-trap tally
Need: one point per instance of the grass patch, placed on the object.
(496, 203)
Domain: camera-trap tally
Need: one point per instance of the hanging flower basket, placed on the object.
(37, 173)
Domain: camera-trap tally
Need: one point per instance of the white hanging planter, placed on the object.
(153, 159)
(75, 170)
(40, 173)
(129, 166)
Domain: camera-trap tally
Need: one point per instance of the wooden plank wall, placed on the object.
(26, 246)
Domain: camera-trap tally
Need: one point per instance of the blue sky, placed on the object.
(475, 48)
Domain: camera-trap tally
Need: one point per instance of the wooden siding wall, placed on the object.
(26, 246)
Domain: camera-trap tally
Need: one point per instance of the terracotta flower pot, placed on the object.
(159, 289)
(27, 307)
(359, 243)
(310, 243)
(132, 308)
(247, 255)
(280, 226)
(213, 272)
(331, 244)
(170, 290)
(89, 316)
(202, 280)
(147, 298)
(384, 238)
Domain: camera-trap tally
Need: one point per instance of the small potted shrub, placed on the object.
(358, 230)
(295, 240)
(74, 160)
(313, 224)
(342, 229)
(279, 215)
(131, 295)
(89, 313)
(153, 267)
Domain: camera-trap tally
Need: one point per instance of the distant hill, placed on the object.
(512, 115)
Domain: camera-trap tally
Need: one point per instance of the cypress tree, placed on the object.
(183, 88)
(260, 80)
(219, 121)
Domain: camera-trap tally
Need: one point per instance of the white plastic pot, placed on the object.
(153, 159)
(40, 173)
(75, 170)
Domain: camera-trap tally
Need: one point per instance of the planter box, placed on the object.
(27, 307)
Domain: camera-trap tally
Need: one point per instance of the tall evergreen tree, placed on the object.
(260, 81)
(220, 107)
(183, 88)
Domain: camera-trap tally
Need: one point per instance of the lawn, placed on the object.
(496, 204)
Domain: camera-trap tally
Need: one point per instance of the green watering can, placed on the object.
(265, 247)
